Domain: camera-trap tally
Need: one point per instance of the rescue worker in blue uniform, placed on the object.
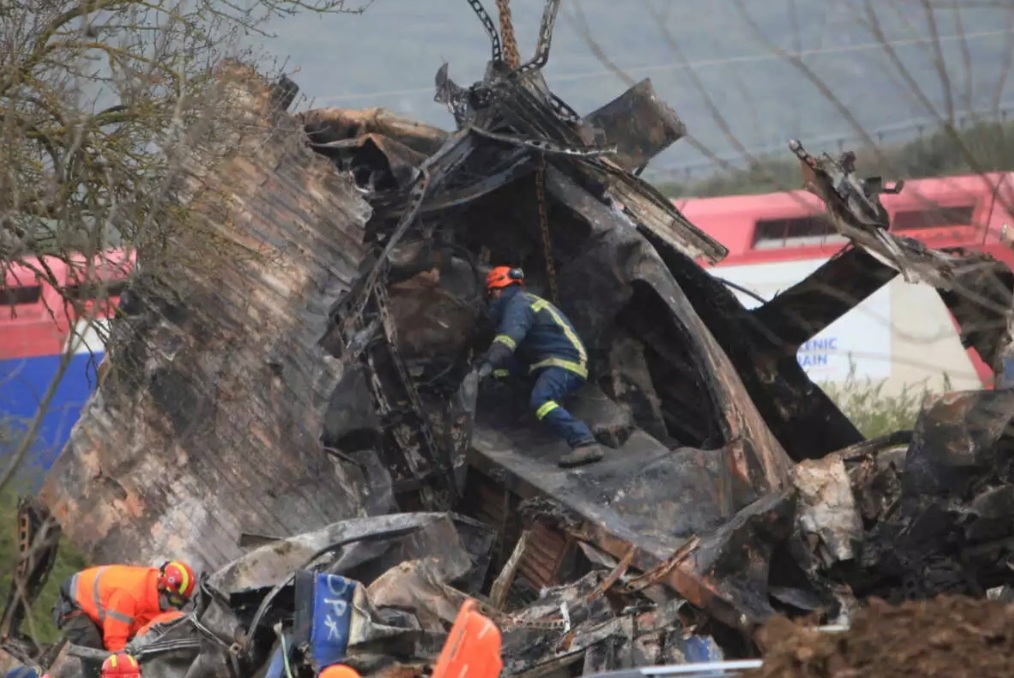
(534, 337)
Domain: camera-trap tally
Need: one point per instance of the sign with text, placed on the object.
(332, 618)
(860, 339)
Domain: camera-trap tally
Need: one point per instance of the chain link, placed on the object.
(547, 242)
(513, 60)
(510, 44)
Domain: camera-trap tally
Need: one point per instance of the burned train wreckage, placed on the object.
(733, 489)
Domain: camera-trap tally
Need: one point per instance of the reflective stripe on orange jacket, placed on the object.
(119, 598)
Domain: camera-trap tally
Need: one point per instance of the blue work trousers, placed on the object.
(552, 384)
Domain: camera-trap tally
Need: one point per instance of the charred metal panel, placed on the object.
(801, 416)
(647, 496)
(981, 303)
(409, 446)
(808, 307)
(627, 262)
(640, 125)
(950, 529)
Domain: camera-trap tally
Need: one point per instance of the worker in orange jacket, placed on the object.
(104, 607)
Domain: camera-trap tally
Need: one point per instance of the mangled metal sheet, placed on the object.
(209, 422)
(635, 282)
(827, 516)
(976, 288)
(855, 208)
(638, 123)
(947, 529)
(647, 497)
(381, 542)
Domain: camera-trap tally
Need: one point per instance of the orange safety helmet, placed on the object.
(120, 665)
(338, 671)
(177, 580)
(504, 276)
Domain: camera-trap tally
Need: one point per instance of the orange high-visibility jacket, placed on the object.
(160, 618)
(119, 598)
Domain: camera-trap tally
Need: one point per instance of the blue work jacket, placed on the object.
(537, 333)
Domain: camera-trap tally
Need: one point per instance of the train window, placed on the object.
(798, 231)
(934, 217)
(20, 296)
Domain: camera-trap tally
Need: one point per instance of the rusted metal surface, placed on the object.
(329, 125)
(502, 585)
(544, 554)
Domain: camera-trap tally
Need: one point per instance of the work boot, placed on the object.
(582, 454)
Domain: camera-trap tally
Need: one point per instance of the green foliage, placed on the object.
(982, 147)
(874, 412)
(68, 561)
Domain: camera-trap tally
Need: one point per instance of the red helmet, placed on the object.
(504, 276)
(176, 579)
(120, 665)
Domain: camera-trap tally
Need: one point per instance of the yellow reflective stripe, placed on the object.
(546, 408)
(120, 617)
(501, 373)
(543, 305)
(184, 576)
(568, 365)
(506, 341)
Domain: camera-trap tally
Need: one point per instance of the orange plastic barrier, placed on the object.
(473, 647)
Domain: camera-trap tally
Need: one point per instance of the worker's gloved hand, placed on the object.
(494, 357)
(484, 369)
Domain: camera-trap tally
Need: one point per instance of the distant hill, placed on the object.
(389, 55)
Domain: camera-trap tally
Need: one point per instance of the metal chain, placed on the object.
(547, 243)
(511, 55)
(513, 60)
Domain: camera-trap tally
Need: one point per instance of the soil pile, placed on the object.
(947, 636)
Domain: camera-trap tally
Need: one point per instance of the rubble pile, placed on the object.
(947, 636)
(283, 410)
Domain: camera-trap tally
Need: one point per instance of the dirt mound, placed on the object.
(946, 636)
